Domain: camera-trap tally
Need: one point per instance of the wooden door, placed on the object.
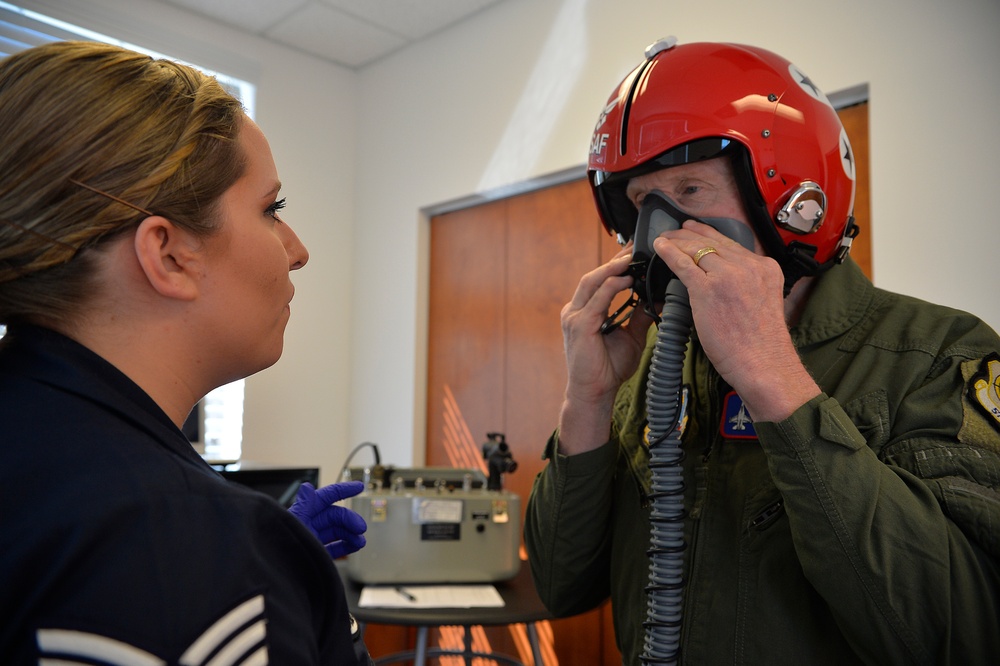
(855, 120)
(500, 274)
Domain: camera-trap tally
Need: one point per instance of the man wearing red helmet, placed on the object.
(838, 446)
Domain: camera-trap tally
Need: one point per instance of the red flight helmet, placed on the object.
(792, 158)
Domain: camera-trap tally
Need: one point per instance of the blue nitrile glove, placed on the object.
(338, 528)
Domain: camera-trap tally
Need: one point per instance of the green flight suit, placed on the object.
(865, 528)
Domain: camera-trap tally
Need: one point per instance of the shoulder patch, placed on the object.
(984, 388)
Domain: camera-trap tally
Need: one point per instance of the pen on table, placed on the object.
(405, 594)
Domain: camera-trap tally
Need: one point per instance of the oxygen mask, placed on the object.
(650, 275)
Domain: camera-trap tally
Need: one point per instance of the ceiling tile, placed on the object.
(411, 18)
(252, 15)
(328, 33)
(351, 33)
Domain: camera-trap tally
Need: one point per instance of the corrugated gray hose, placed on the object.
(667, 545)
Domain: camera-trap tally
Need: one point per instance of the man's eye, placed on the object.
(272, 210)
(693, 197)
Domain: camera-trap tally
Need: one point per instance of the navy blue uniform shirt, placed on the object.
(119, 544)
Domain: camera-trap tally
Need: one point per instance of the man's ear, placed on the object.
(170, 257)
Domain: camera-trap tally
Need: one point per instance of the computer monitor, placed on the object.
(281, 483)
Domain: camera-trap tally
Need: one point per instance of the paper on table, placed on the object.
(430, 596)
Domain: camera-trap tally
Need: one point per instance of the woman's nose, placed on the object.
(298, 255)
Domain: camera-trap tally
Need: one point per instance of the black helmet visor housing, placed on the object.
(618, 213)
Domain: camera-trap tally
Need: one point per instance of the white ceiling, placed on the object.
(352, 33)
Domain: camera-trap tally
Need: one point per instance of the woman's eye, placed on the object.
(272, 210)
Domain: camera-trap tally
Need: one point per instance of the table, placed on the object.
(521, 605)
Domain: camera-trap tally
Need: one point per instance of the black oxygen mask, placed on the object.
(650, 274)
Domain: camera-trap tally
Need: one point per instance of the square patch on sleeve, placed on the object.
(736, 421)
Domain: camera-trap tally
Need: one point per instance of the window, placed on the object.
(22, 28)
(221, 412)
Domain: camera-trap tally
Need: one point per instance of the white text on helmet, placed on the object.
(598, 143)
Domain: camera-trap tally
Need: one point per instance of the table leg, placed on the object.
(421, 655)
(536, 651)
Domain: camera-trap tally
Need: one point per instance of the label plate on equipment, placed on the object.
(427, 510)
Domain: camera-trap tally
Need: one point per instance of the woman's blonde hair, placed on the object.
(90, 135)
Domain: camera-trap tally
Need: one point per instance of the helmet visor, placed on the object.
(617, 212)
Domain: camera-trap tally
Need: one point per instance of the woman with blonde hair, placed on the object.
(143, 262)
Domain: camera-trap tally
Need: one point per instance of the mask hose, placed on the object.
(666, 551)
(665, 590)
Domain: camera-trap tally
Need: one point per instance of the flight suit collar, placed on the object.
(838, 301)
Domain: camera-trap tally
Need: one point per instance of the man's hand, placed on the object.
(742, 318)
(597, 364)
(338, 528)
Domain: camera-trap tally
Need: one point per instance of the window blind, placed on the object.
(21, 29)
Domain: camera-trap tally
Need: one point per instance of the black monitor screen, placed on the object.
(281, 483)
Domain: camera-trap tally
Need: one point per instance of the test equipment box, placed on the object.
(436, 525)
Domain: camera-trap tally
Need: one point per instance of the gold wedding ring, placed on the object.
(700, 254)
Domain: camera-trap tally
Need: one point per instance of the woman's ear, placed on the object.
(171, 257)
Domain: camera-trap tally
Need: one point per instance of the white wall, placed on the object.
(435, 116)
(513, 94)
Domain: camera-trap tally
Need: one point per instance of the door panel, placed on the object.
(553, 240)
(500, 274)
(466, 350)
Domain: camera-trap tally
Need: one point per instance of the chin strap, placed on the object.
(797, 261)
(798, 258)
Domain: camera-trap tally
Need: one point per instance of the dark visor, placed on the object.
(617, 212)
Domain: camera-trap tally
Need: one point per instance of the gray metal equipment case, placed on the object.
(436, 525)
